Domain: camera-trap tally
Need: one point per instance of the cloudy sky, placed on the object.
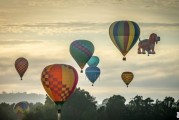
(42, 30)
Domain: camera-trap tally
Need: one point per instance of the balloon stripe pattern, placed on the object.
(59, 81)
(82, 48)
(127, 77)
(124, 35)
(21, 65)
(81, 51)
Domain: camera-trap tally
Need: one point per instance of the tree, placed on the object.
(6, 112)
(116, 109)
(80, 106)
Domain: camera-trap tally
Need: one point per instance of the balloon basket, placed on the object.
(124, 59)
(59, 116)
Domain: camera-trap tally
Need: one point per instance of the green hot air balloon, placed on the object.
(124, 35)
(81, 51)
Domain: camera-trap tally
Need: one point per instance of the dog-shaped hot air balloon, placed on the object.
(148, 44)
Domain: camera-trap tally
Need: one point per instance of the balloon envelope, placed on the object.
(124, 35)
(81, 51)
(21, 65)
(92, 73)
(59, 81)
(94, 61)
(20, 108)
(127, 77)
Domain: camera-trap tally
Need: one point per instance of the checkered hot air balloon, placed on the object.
(21, 65)
(81, 51)
(124, 35)
(20, 109)
(59, 81)
(127, 77)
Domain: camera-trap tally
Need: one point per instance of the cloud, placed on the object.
(72, 27)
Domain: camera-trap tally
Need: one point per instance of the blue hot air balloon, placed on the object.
(94, 61)
(92, 73)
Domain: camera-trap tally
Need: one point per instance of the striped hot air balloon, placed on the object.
(81, 51)
(59, 81)
(124, 35)
(20, 109)
(21, 65)
(127, 77)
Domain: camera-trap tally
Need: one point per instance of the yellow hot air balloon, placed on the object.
(127, 77)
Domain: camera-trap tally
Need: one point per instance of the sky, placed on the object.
(42, 31)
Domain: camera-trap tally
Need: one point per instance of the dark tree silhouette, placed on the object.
(116, 109)
(82, 106)
(6, 112)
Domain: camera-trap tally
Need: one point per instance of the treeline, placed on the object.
(82, 106)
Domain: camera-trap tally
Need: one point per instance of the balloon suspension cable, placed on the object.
(81, 71)
(124, 59)
(59, 114)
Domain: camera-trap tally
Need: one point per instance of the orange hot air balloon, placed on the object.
(127, 77)
(59, 81)
(21, 65)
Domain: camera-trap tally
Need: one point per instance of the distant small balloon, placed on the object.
(94, 61)
(127, 77)
(21, 65)
(20, 109)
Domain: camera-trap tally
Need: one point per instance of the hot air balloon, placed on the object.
(59, 81)
(124, 35)
(94, 61)
(20, 109)
(92, 73)
(21, 65)
(81, 51)
(127, 77)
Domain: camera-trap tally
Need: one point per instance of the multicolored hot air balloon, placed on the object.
(20, 109)
(21, 65)
(124, 35)
(92, 73)
(94, 61)
(81, 51)
(59, 81)
(127, 77)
